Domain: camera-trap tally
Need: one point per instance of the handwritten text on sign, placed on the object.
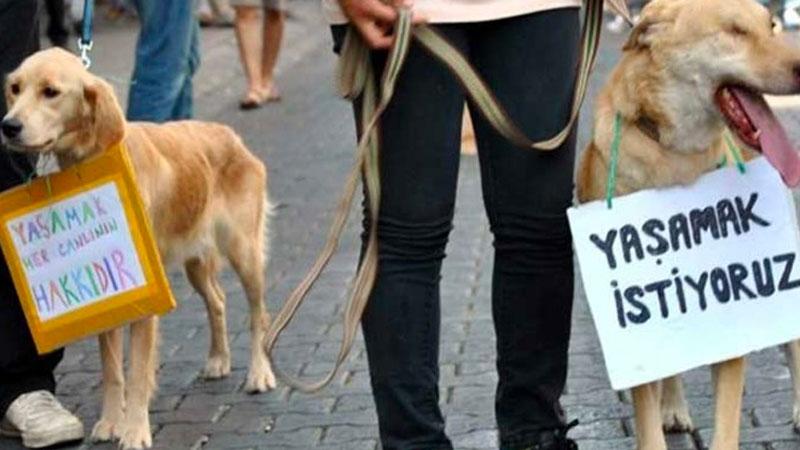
(77, 251)
(688, 276)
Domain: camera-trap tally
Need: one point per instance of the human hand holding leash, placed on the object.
(374, 19)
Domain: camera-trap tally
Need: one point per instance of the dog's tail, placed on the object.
(267, 214)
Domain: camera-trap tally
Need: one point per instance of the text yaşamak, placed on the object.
(678, 292)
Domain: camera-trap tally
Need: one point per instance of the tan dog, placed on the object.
(689, 68)
(206, 197)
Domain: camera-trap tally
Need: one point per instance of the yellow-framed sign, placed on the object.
(81, 251)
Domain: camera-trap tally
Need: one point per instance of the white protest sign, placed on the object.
(77, 251)
(687, 276)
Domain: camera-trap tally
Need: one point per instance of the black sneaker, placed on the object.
(556, 439)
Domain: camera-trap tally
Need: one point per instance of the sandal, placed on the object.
(252, 100)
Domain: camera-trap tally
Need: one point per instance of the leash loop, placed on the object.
(85, 42)
(367, 157)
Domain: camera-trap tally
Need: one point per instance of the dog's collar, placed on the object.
(649, 127)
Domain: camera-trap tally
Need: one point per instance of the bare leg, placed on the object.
(273, 35)
(141, 384)
(202, 275)
(674, 410)
(248, 35)
(649, 430)
(729, 388)
(792, 350)
(108, 427)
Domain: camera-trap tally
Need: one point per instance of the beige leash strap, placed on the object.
(356, 79)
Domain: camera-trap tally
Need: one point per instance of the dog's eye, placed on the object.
(776, 25)
(738, 31)
(50, 92)
(15, 89)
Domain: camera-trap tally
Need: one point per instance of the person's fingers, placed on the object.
(383, 12)
(374, 35)
(373, 9)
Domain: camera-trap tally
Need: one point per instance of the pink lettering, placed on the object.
(119, 260)
(19, 228)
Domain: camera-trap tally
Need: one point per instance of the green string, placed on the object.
(735, 151)
(611, 184)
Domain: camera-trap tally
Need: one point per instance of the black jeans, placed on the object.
(21, 368)
(530, 64)
(56, 28)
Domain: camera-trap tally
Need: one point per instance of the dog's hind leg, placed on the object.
(792, 350)
(649, 430)
(202, 274)
(248, 260)
(141, 384)
(674, 410)
(108, 427)
(728, 388)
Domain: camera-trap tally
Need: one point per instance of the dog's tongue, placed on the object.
(775, 144)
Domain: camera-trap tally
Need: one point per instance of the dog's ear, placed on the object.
(107, 121)
(657, 17)
(643, 33)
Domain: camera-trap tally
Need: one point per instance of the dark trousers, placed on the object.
(21, 368)
(56, 28)
(529, 62)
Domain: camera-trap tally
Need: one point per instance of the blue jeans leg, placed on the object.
(167, 56)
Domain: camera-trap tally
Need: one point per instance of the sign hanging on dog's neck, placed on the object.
(80, 250)
(688, 276)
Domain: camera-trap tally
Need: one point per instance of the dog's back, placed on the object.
(200, 183)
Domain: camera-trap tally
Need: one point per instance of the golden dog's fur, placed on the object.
(206, 197)
(675, 60)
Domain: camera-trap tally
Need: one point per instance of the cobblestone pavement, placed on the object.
(307, 141)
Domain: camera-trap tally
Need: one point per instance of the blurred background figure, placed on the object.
(215, 13)
(468, 144)
(167, 57)
(786, 12)
(617, 25)
(57, 31)
(259, 31)
(117, 9)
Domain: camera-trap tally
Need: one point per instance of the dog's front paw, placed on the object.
(796, 418)
(260, 378)
(135, 436)
(217, 366)
(105, 430)
(677, 420)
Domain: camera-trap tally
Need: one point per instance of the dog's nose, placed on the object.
(11, 127)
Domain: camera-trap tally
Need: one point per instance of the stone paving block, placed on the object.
(612, 444)
(304, 438)
(681, 441)
(354, 402)
(292, 421)
(475, 439)
(601, 429)
(342, 434)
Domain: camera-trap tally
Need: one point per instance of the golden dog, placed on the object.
(689, 68)
(206, 197)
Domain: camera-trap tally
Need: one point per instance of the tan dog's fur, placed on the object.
(674, 61)
(206, 197)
